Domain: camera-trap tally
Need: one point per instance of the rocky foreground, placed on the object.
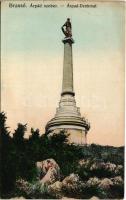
(50, 184)
(65, 170)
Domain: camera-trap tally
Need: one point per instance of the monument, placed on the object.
(68, 115)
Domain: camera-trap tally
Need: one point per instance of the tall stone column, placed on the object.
(68, 114)
(67, 84)
(67, 105)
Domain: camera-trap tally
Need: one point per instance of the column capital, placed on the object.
(68, 40)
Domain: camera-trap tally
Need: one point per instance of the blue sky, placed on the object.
(33, 29)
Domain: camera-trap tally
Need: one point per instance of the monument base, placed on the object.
(76, 136)
(68, 117)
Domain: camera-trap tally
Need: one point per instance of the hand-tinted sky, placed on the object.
(32, 57)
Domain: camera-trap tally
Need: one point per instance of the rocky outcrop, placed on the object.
(56, 189)
(69, 186)
(72, 186)
(92, 182)
(117, 180)
(71, 181)
(23, 185)
(48, 171)
(105, 183)
(100, 165)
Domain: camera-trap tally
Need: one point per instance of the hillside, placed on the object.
(83, 171)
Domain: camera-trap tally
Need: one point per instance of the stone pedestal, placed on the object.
(68, 114)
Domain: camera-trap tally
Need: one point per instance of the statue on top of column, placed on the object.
(68, 28)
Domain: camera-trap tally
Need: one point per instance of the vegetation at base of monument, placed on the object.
(19, 155)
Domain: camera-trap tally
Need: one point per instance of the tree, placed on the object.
(19, 150)
(7, 169)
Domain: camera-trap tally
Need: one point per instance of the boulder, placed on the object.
(71, 183)
(106, 183)
(84, 163)
(119, 169)
(71, 179)
(56, 186)
(117, 180)
(56, 189)
(49, 171)
(110, 167)
(23, 185)
(94, 181)
(97, 165)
